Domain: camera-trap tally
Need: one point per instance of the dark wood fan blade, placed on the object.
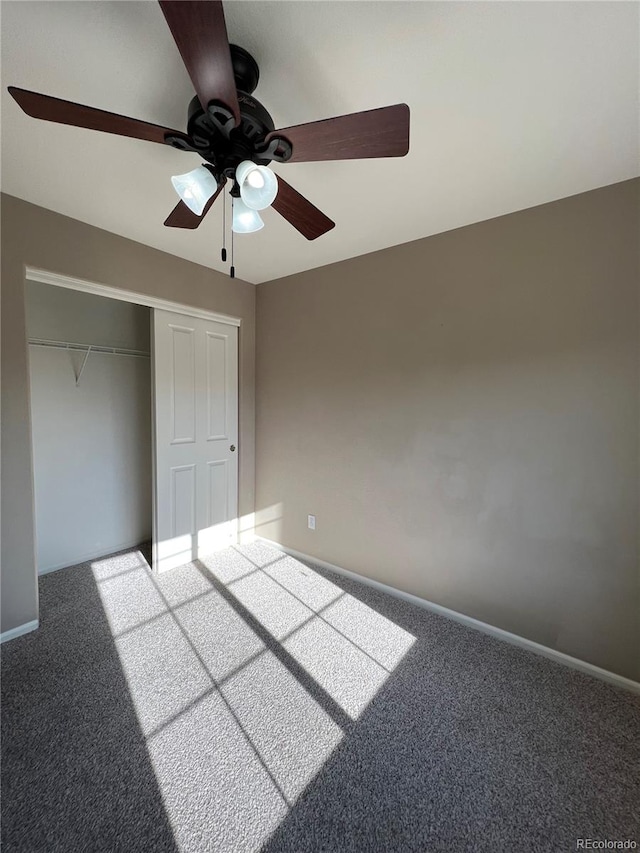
(200, 32)
(300, 213)
(182, 217)
(77, 115)
(374, 133)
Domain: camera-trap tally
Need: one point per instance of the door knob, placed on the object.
(232, 448)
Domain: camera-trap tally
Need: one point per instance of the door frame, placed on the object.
(45, 277)
(111, 292)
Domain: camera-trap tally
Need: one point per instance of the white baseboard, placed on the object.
(12, 633)
(507, 636)
(112, 549)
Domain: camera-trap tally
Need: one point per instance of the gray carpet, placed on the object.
(253, 703)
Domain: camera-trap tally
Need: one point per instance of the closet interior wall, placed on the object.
(90, 377)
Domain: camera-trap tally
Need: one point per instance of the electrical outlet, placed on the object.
(311, 522)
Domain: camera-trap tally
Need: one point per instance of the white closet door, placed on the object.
(196, 438)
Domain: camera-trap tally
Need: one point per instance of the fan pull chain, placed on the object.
(224, 227)
(232, 272)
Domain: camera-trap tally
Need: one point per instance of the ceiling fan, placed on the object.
(233, 132)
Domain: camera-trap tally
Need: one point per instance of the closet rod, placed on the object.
(69, 345)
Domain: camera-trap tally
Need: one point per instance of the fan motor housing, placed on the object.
(255, 121)
(245, 69)
(226, 151)
(212, 134)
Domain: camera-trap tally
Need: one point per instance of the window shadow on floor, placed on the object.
(76, 774)
(472, 746)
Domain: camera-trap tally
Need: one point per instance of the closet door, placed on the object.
(196, 438)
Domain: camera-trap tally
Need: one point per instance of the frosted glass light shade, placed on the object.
(195, 188)
(245, 220)
(258, 185)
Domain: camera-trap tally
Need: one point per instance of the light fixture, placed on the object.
(258, 185)
(255, 179)
(245, 220)
(195, 188)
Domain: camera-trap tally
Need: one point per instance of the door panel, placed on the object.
(183, 500)
(183, 384)
(217, 493)
(196, 427)
(216, 386)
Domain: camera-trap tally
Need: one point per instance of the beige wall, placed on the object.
(461, 415)
(58, 314)
(37, 237)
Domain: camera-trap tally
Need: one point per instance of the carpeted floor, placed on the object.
(251, 702)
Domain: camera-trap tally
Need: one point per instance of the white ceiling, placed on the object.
(512, 105)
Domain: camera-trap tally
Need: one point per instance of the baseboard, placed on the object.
(113, 549)
(470, 622)
(12, 633)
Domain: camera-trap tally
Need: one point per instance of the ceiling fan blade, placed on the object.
(300, 213)
(182, 217)
(77, 115)
(200, 32)
(383, 132)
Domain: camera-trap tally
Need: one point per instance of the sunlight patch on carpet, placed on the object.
(240, 667)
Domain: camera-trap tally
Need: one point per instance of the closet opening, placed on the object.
(91, 422)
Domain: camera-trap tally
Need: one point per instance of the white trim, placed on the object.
(95, 555)
(12, 633)
(33, 274)
(470, 622)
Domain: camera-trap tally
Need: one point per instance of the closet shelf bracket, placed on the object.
(84, 361)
